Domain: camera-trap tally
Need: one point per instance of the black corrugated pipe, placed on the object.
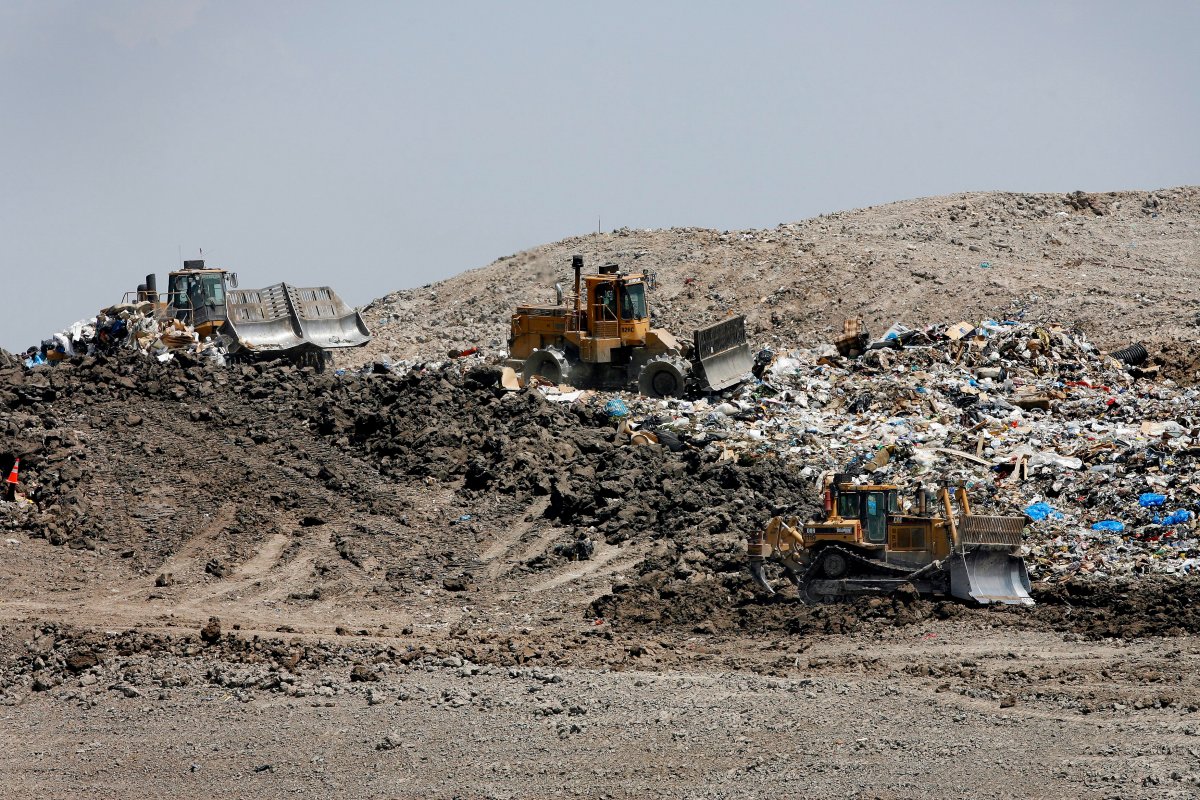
(1132, 355)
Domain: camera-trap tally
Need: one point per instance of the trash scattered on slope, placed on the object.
(1031, 417)
(125, 327)
(1025, 415)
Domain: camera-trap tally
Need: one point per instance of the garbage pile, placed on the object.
(131, 327)
(1100, 454)
(1099, 451)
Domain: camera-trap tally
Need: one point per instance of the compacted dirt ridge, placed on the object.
(265, 582)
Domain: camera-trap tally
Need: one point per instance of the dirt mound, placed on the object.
(731, 607)
(321, 458)
(1089, 609)
(456, 426)
(1079, 258)
(1177, 361)
(1121, 609)
(137, 456)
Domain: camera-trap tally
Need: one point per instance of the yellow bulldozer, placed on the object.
(601, 337)
(300, 323)
(866, 544)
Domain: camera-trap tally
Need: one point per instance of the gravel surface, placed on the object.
(949, 710)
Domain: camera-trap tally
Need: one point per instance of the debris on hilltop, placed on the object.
(126, 328)
(958, 256)
(1100, 454)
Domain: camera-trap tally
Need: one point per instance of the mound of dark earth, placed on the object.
(115, 454)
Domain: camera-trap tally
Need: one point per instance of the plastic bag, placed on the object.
(1040, 511)
(1151, 499)
(616, 408)
(1175, 517)
(1050, 458)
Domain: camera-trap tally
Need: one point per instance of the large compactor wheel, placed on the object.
(663, 377)
(550, 364)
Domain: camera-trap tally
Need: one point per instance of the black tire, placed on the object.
(549, 364)
(662, 378)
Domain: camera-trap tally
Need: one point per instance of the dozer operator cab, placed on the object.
(599, 336)
(196, 295)
(850, 508)
(615, 306)
(865, 543)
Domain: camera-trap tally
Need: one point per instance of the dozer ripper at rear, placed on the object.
(600, 337)
(866, 545)
(302, 324)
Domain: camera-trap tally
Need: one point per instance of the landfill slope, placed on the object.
(259, 579)
(407, 581)
(1122, 265)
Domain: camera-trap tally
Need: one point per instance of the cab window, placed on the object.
(848, 506)
(179, 291)
(633, 301)
(213, 290)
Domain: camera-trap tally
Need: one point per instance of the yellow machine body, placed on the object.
(866, 544)
(600, 336)
(611, 313)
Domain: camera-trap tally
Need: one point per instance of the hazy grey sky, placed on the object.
(375, 146)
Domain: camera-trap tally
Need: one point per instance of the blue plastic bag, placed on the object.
(1110, 525)
(1040, 511)
(1150, 499)
(616, 408)
(1176, 517)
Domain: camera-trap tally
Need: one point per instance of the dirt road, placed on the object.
(111, 691)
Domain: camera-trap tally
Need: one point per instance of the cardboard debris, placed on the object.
(956, 332)
(509, 380)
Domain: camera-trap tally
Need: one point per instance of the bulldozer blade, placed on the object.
(283, 317)
(760, 576)
(990, 575)
(723, 353)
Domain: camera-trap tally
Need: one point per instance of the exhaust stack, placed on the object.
(577, 265)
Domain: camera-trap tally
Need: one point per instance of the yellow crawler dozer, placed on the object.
(866, 544)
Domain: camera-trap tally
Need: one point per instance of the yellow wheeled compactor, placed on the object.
(601, 337)
(303, 324)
